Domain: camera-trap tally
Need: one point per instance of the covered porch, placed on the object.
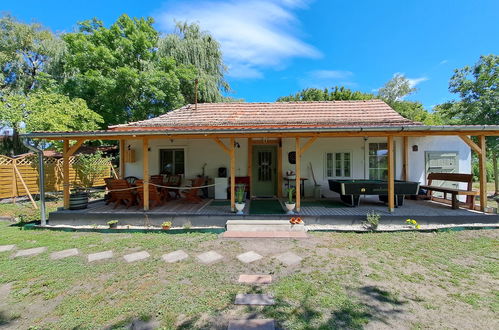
(313, 211)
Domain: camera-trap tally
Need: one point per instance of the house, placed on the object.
(262, 141)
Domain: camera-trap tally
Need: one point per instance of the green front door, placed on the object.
(264, 169)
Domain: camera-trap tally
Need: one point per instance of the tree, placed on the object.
(119, 71)
(191, 46)
(479, 103)
(45, 111)
(336, 93)
(396, 89)
(28, 53)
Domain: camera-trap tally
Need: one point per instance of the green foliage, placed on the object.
(396, 89)
(477, 87)
(335, 94)
(118, 71)
(372, 220)
(91, 166)
(28, 56)
(290, 191)
(46, 111)
(476, 170)
(415, 111)
(192, 47)
(240, 190)
(166, 224)
(112, 222)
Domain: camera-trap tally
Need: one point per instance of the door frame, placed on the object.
(276, 142)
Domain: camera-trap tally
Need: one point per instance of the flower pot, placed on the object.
(290, 207)
(113, 226)
(78, 201)
(240, 208)
(166, 227)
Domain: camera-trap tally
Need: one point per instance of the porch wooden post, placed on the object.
(279, 168)
(145, 170)
(250, 164)
(122, 159)
(391, 176)
(232, 175)
(405, 165)
(298, 175)
(482, 163)
(65, 173)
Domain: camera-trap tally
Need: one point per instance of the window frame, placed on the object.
(342, 163)
(173, 149)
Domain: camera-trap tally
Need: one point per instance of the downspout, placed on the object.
(41, 174)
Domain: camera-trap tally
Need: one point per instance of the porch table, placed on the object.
(302, 184)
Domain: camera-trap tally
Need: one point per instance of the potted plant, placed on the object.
(89, 168)
(240, 192)
(290, 204)
(166, 225)
(113, 224)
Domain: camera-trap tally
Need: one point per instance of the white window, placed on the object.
(338, 164)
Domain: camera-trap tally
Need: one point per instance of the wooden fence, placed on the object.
(19, 176)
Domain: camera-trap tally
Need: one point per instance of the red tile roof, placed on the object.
(274, 115)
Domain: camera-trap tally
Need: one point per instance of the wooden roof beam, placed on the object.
(471, 144)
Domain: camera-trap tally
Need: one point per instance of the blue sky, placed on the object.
(277, 47)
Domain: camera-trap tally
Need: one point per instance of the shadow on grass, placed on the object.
(375, 304)
(5, 319)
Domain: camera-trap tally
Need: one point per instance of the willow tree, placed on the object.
(191, 46)
(28, 53)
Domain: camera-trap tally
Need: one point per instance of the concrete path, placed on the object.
(100, 256)
(5, 248)
(254, 299)
(249, 256)
(30, 252)
(175, 256)
(64, 254)
(209, 257)
(255, 279)
(132, 257)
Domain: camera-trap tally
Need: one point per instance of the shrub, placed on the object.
(372, 220)
(413, 223)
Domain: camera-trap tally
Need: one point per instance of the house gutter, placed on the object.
(41, 173)
(356, 129)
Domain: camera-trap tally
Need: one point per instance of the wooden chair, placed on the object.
(164, 192)
(110, 198)
(173, 181)
(131, 180)
(120, 195)
(191, 195)
(154, 194)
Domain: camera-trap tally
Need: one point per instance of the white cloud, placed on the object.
(414, 81)
(327, 78)
(443, 61)
(254, 34)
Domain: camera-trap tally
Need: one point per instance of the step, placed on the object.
(264, 225)
(252, 324)
(255, 279)
(264, 234)
(254, 299)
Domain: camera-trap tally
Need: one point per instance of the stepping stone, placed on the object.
(100, 256)
(132, 257)
(253, 324)
(64, 254)
(289, 258)
(264, 234)
(249, 257)
(5, 248)
(30, 252)
(209, 257)
(255, 279)
(254, 299)
(175, 256)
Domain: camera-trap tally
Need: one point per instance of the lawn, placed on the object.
(409, 280)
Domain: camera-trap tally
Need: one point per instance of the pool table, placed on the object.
(350, 190)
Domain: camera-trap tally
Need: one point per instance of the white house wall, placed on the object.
(201, 151)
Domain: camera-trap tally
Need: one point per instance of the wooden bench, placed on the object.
(454, 177)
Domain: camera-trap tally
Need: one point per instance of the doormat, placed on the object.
(220, 203)
(268, 206)
(330, 204)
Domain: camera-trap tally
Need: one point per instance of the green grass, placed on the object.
(344, 281)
